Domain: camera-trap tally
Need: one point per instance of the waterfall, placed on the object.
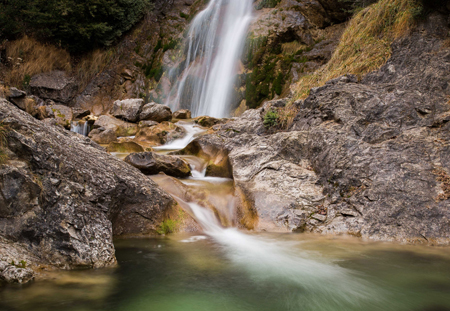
(80, 127)
(213, 47)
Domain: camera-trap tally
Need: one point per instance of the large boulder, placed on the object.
(155, 112)
(120, 127)
(69, 197)
(124, 147)
(103, 136)
(151, 163)
(128, 109)
(55, 85)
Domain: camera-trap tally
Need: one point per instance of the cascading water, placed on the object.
(213, 47)
(80, 127)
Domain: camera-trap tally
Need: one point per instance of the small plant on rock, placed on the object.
(271, 118)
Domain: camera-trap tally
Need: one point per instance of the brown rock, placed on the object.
(182, 114)
(103, 136)
(151, 163)
(159, 134)
(124, 147)
(121, 128)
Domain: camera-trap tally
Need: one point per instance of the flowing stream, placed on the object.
(213, 47)
(222, 268)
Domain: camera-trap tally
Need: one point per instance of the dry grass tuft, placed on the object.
(366, 43)
(3, 133)
(92, 64)
(28, 57)
(291, 48)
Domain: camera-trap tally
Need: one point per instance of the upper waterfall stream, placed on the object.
(213, 47)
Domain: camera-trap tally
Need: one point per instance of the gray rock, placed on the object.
(55, 85)
(16, 93)
(151, 163)
(80, 113)
(147, 123)
(128, 109)
(155, 112)
(71, 223)
(13, 274)
(62, 114)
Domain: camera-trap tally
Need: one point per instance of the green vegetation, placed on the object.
(185, 16)
(267, 4)
(78, 25)
(167, 226)
(271, 118)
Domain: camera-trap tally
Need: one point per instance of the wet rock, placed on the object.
(55, 85)
(71, 197)
(12, 274)
(62, 114)
(207, 121)
(151, 163)
(124, 147)
(155, 112)
(128, 109)
(147, 123)
(182, 114)
(121, 128)
(159, 134)
(103, 136)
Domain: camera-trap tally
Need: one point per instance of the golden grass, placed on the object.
(366, 43)
(92, 64)
(292, 47)
(28, 57)
(3, 134)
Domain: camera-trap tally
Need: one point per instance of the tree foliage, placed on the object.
(78, 25)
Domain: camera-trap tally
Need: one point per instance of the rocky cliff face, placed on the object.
(63, 198)
(365, 158)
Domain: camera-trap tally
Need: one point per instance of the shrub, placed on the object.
(78, 25)
(271, 118)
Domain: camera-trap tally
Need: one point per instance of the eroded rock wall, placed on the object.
(63, 198)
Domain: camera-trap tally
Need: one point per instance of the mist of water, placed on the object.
(213, 47)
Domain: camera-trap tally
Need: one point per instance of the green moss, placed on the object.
(167, 226)
(170, 46)
(185, 16)
(278, 84)
(158, 46)
(267, 4)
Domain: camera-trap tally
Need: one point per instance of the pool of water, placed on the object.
(239, 271)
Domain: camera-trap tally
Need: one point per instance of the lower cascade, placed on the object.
(214, 44)
(80, 127)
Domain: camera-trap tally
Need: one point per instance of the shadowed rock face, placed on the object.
(56, 86)
(63, 197)
(369, 159)
(151, 163)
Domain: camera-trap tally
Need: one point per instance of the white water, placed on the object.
(214, 45)
(275, 262)
(192, 131)
(80, 127)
